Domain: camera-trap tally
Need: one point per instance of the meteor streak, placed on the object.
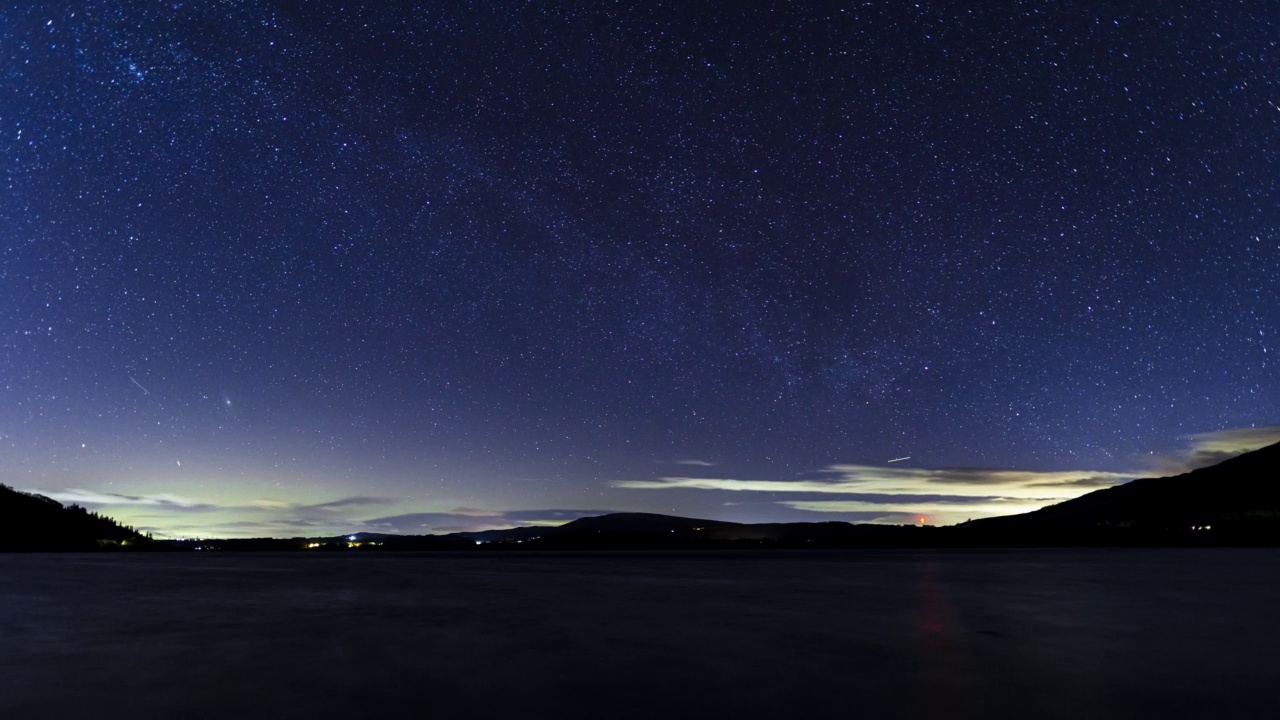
(135, 382)
(900, 459)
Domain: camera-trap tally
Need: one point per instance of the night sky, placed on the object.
(284, 268)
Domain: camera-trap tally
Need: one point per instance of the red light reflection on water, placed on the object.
(933, 610)
(945, 688)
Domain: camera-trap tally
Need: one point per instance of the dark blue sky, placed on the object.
(281, 266)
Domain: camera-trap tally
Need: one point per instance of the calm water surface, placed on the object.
(1027, 634)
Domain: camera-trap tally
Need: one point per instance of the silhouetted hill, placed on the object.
(35, 522)
(617, 531)
(1239, 497)
(654, 531)
(636, 522)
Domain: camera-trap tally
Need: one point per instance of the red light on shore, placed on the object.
(922, 519)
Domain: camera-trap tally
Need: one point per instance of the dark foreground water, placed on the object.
(1026, 634)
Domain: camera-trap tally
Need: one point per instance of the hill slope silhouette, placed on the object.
(652, 530)
(35, 522)
(1241, 494)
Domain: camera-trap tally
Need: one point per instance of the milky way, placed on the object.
(276, 267)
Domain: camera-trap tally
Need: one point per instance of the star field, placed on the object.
(275, 267)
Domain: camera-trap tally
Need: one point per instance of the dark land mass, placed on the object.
(35, 522)
(1236, 502)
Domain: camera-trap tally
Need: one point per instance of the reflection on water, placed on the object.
(1066, 634)
(941, 690)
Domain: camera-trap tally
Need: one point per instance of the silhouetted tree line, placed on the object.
(29, 521)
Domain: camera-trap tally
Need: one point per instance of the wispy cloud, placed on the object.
(95, 498)
(176, 515)
(344, 503)
(1210, 448)
(874, 479)
(876, 493)
(170, 515)
(697, 463)
(988, 506)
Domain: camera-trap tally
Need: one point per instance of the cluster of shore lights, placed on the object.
(352, 542)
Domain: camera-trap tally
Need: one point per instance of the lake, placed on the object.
(889, 633)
